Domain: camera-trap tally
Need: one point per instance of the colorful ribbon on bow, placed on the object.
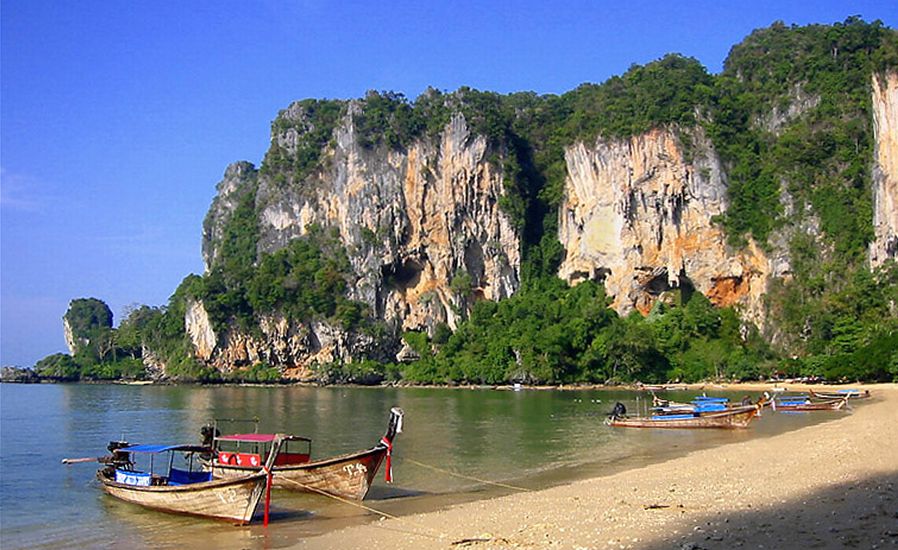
(388, 474)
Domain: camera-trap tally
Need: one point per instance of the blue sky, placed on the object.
(117, 119)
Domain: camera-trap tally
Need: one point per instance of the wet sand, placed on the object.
(830, 485)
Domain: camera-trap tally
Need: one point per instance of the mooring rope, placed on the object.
(472, 478)
(368, 508)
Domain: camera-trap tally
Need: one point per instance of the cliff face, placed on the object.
(637, 214)
(238, 185)
(411, 222)
(422, 228)
(295, 346)
(885, 169)
(69, 336)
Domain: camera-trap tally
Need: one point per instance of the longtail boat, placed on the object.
(347, 476)
(803, 403)
(702, 405)
(839, 394)
(185, 491)
(735, 417)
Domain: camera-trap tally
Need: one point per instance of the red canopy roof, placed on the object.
(255, 438)
(260, 438)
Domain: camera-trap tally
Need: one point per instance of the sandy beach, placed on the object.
(830, 485)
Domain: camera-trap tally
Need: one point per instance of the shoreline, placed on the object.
(827, 485)
(634, 386)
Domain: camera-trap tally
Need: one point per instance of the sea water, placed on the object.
(454, 442)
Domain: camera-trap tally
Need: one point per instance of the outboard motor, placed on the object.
(209, 433)
(619, 411)
(120, 457)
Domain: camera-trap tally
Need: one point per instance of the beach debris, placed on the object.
(485, 538)
(655, 506)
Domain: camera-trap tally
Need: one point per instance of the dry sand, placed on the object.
(831, 485)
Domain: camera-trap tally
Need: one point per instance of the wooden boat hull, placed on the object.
(730, 419)
(348, 476)
(227, 499)
(821, 406)
(839, 395)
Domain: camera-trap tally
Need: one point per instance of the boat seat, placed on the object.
(240, 459)
(128, 477)
(183, 477)
(283, 459)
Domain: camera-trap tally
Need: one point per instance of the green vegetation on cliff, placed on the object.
(306, 280)
(792, 115)
(793, 119)
(311, 123)
(557, 334)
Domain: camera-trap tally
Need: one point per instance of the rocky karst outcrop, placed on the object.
(238, 186)
(294, 346)
(411, 222)
(425, 235)
(70, 341)
(422, 228)
(639, 215)
(885, 169)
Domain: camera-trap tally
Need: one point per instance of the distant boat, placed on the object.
(702, 404)
(803, 403)
(731, 418)
(184, 491)
(661, 387)
(839, 394)
(347, 476)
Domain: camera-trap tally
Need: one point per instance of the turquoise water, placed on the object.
(531, 439)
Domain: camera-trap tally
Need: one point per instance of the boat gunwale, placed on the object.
(311, 464)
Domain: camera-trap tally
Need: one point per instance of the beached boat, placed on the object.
(735, 417)
(702, 404)
(185, 491)
(839, 394)
(348, 475)
(803, 403)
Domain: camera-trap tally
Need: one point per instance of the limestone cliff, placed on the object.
(294, 346)
(639, 215)
(421, 223)
(411, 220)
(238, 186)
(422, 228)
(885, 169)
(69, 336)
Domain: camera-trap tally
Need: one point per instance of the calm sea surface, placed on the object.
(531, 438)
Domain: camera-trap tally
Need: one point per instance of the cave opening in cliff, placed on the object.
(474, 263)
(403, 275)
(687, 289)
(658, 282)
